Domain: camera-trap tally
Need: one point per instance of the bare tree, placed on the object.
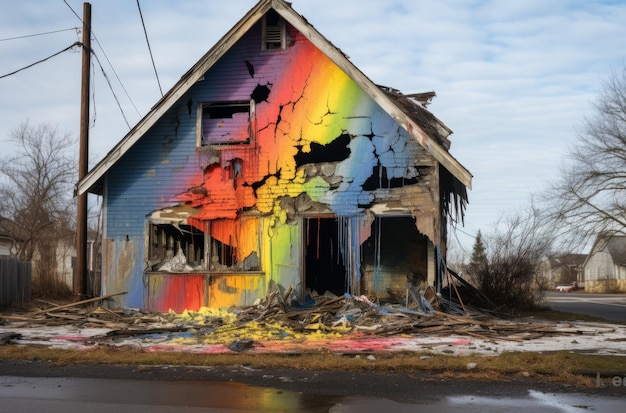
(36, 180)
(505, 262)
(590, 196)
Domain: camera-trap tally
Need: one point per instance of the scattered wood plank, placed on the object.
(77, 303)
(14, 317)
(342, 314)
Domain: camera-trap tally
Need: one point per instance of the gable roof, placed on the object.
(615, 245)
(567, 260)
(617, 249)
(411, 115)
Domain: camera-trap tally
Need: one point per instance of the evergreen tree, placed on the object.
(478, 260)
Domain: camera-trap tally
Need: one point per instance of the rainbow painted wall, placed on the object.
(315, 136)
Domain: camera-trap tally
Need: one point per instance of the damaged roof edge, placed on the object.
(374, 91)
(92, 181)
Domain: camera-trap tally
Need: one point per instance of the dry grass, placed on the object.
(564, 367)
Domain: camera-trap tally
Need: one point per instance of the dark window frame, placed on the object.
(212, 116)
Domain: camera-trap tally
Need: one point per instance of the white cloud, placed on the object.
(513, 79)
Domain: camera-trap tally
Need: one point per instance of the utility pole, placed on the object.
(80, 273)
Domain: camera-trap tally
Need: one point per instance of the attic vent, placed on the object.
(274, 32)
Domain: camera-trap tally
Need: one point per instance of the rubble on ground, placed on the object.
(343, 324)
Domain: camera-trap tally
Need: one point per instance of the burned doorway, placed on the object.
(324, 268)
(395, 255)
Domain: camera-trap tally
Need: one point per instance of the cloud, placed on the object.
(513, 79)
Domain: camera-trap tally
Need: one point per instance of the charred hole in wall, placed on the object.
(335, 151)
(250, 67)
(236, 168)
(324, 268)
(261, 93)
(380, 179)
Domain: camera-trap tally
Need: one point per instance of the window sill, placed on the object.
(223, 273)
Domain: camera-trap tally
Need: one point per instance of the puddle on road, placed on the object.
(237, 397)
(535, 402)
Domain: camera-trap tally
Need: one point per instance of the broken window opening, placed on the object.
(274, 32)
(173, 248)
(226, 123)
(224, 258)
(233, 245)
(381, 180)
(183, 248)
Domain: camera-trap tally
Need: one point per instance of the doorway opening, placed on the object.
(395, 255)
(324, 268)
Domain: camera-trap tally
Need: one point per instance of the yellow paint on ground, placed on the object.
(231, 330)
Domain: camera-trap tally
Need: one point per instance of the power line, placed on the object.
(38, 34)
(109, 62)
(75, 14)
(111, 87)
(42, 60)
(115, 73)
(466, 233)
(149, 48)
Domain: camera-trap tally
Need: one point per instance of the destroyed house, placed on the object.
(274, 163)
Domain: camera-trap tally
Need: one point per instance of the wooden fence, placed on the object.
(15, 281)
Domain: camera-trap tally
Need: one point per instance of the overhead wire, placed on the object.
(38, 34)
(111, 87)
(149, 48)
(106, 57)
(43, 60)
(116, 75)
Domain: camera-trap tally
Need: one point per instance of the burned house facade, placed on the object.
(275, 163)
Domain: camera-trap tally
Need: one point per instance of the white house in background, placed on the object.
(6, 240)
(563, 270)
(605, 266)
(5, 243)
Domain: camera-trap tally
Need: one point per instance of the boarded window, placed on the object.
(226, 123)
(274, 32)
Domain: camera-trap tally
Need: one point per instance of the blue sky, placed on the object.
(514, 80)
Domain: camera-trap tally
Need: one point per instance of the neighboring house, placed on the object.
(64, 252)
(5, 242)
(563, 270)
(275, 163)
(605, 267)
(9, 236)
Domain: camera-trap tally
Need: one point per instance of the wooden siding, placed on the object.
(603, 275)
(303, 112)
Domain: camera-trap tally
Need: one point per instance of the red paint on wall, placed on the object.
(177, 293)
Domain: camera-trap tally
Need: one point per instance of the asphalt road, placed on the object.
(33, 387)
(609, 306)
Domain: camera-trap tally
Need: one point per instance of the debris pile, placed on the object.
(343, 324)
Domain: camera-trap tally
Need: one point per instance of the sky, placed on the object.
(514, 79)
